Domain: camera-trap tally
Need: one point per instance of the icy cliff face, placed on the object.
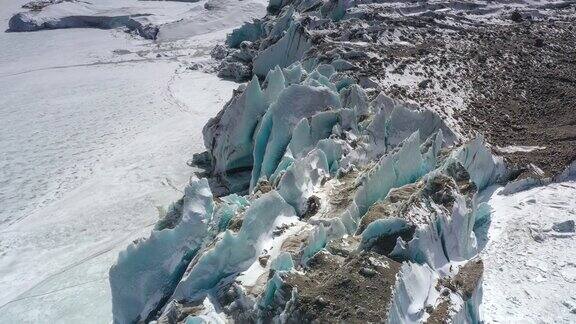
(234, 253)
(147, 272)
(357, 207)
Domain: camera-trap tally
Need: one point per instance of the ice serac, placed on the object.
(394, 121)
(404, 120)
(422, 295)
(414, 291)
(234, 252)
(275, 131)
(431, 222)
(393, 170)
(289, 49)
(355, 97)
(275, 84)
(250, 31)
(309, 131)
(484, 168)
(226, 210)
(313, 132)
(207, 315)
(284, 21)
(228, 136)
(301, 178)
(147, 271)
(283, 262)
(336, 9)
(316, 242)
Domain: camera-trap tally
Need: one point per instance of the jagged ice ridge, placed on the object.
(316, 181)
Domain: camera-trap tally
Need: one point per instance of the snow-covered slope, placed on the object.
(530, 269)
(96, 129)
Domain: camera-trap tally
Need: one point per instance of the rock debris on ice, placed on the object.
(336, 201)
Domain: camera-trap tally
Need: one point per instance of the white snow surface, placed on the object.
(530, 269)
(96, 127)
(519, 148)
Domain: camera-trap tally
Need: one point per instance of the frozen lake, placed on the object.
(96, 127)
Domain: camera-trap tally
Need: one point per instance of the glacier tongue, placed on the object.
(359, 208)
(229, 135)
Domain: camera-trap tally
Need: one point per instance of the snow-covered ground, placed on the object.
(530, 268)
(96, 127)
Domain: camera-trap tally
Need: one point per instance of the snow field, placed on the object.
(97, 127)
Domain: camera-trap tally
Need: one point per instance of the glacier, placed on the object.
(431, 230)
(343, 180)
(343, 188)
